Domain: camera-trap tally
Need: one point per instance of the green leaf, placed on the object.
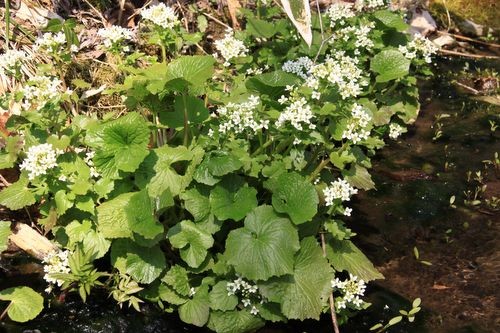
(63, 201)
(297, 197)
(219, 298)
(345, 256)
(25, 303)
(234, 321)
(265, 29)
(391, 20)
(95, 243)
(215, 165)
(190, 71)
(390, 64)
(306, 292)
(359, 177)
(169, 295)
(126, 214)
(141, 263)
(192, 242)
(17, 195)
(120, 144)
(232, 199)
(163, 170)
(85, 204)
(196, 310)
(272, 84)
(193, 107)
(264, 247)
(196, 203)
(4, 235)
(177, 278)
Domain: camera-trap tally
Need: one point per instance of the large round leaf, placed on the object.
(192, 241)
(390, 64)
(25, 303)
(120, 144)
(232, 199)
(264, 247)
(295, 196)
(143, 264)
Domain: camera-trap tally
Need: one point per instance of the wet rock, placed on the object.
(470, 28)
(445, 40)
(422, 22)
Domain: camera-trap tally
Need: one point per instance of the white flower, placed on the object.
(254, 311)
(230, 47)
(161, 15)
(351, 290)
(300, 67)
(40, 90)
(192, 292)
(369, 4)
(39, 160)
(340, 70)
(347, 211)
(242, 117)
(419, 46)
(114, 36)
(51, 43)
(395, 130)
(339, 11)
(11, 60)
(55, 262)
(298, 113)
(339, 189)
(356, 130)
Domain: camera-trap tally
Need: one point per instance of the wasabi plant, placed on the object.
(220, 193)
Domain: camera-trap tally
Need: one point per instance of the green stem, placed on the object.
(163, 53)
(186, 121)
(7, 24)
(262, 148)
(318, 169)
(7, 308)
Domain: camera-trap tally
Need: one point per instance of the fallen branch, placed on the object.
(469, 39)
(30, 241)
(469, 55)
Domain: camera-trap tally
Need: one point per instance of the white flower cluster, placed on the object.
(357, 127)
(161, 15)
(297, 113)
(339, 189)
(11, 61)
(39, 159)
(51, 43)
(395, 130)
(114, 36)
(247, 292)
(40, 90)
(230, 47)
(360, 34)
(55, 262)
(351, 291)
(419, 46)
(88, 160)
(241, 117)
(341, 70)
(300, 67)
(369, 4)
(339, 11)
